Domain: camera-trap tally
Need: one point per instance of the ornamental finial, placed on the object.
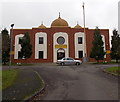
(41, 22)
(59, 14)
(77, 23)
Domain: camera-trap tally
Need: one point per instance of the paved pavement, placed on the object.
(84, 82)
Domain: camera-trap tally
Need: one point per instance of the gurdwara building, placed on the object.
(58, 41)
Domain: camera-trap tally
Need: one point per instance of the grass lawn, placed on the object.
(8, 77)
(113, 70)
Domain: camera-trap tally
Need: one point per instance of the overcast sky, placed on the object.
(30, 13)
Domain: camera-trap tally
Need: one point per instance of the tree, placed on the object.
(115, 49)
(26, 47)
(97, 51)
(5, 46)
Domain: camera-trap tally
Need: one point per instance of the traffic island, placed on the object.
(27, 84)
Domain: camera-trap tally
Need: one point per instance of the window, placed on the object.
(40, 54)
(60, 40)
(19, 55)
(64, 58)
(79, 40)
(69, 58)
(40, 40)
(80, 54)
(20, 40)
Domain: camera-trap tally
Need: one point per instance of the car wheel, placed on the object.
(77, 63)
(62, 63)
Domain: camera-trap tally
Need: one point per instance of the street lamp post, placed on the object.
(11, 33)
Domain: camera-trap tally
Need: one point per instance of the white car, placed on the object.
(69, 61)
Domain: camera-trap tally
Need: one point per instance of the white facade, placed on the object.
(55, 36)
(41, 47)
(79, 47)
(17, 45)
(103, 39)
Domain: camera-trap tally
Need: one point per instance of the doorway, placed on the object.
(60, 53)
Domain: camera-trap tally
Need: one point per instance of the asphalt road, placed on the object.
(84, 82)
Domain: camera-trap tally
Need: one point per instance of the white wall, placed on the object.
(79, 47)
(55, 36)
(103, 38)
(40, 47)
(17, 45)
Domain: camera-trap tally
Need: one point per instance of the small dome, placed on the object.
(42, 26)
(59, 22)
(78, 26)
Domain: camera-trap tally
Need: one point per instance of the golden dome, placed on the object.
(78, 26)
(42, 26)
(59, 22)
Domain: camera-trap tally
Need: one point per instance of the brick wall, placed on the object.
(50, 32)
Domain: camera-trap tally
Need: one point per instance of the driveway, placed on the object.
(84, 82)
